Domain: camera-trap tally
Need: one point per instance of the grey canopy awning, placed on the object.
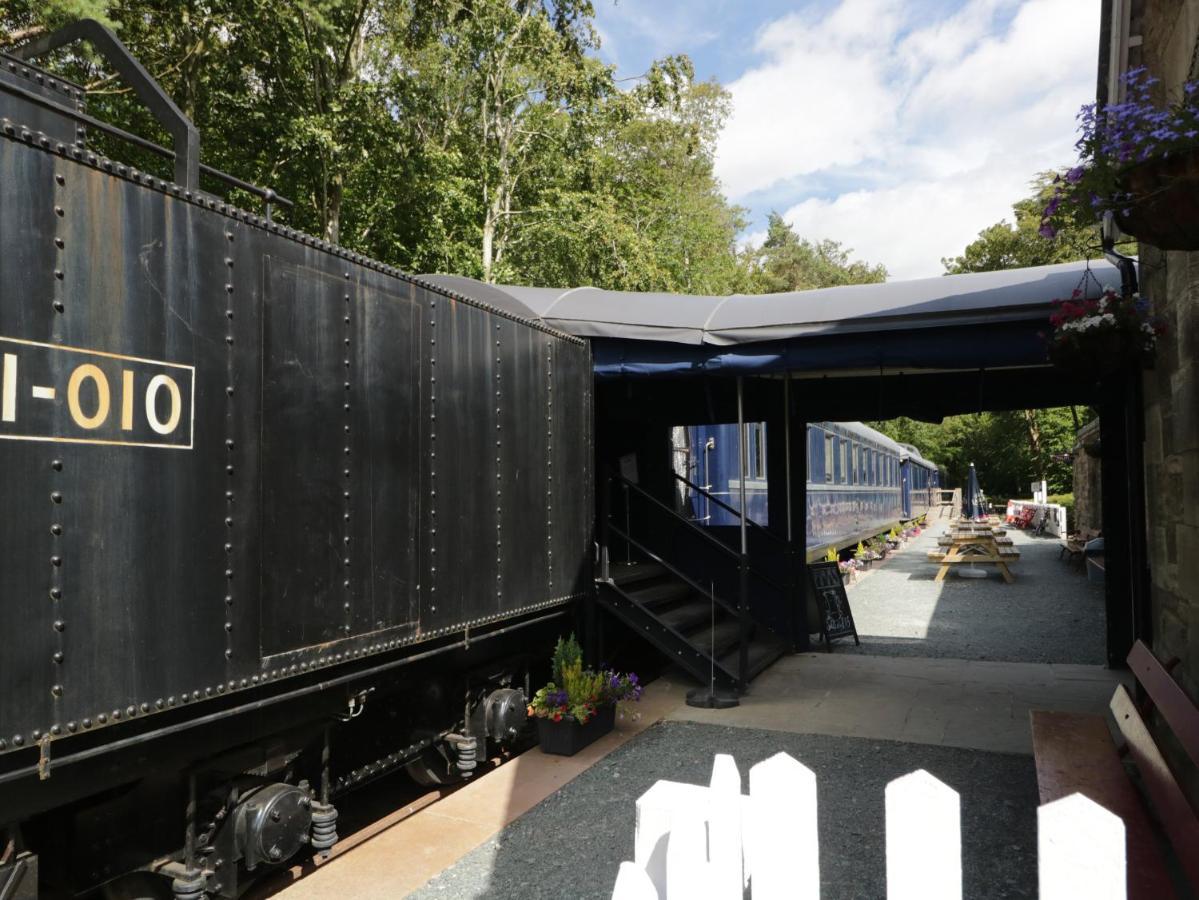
(972, 299)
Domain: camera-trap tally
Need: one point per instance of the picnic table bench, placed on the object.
(977, 552)
(946, 540)
(1074, 754)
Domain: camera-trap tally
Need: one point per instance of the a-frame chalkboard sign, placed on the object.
(836, 619)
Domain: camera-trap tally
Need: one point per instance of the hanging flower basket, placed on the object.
(1163, 204)
(1139, 161)
(1104, 335)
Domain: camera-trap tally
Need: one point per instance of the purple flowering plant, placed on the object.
(1114, 139)
(577, 693)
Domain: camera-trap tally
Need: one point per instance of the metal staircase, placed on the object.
(692, 624)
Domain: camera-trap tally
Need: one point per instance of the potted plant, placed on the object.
(862, 556)
(578, 705)
(1102, 335)
(893, 538)
(1139, 161)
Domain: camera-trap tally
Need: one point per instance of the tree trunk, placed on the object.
(1034, 442)
(333, 209)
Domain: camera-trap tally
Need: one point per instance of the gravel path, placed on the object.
(572, 843)
(1052, 613)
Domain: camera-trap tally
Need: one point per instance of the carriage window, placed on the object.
(828, 457)
(844, 461)
(756, 457)
(853, 464)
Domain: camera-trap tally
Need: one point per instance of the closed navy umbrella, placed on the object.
(972, 502)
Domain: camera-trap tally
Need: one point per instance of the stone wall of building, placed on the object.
(1171, 282)
(1088, 496)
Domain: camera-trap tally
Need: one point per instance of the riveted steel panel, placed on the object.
(304, 391)
(388, 424)
(462, 549)
(523, 403)
(571, 479)
(207, 506)
(43, 119)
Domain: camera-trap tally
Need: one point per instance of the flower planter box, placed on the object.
(568, 737)
(1164, 209)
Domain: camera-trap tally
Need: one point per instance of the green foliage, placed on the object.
(860, 552)
(576, 692)
(484, 138)
(567, 655)
(787, 262)
(831, 555)
(1007, 246)
(1010, 449)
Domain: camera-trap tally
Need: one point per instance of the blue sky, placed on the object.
(901, 128)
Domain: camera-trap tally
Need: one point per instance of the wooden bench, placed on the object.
(1075, 754)
(1074, 545)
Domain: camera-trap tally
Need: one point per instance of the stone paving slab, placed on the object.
(974, 704)
(571, 844)
(1051, 614)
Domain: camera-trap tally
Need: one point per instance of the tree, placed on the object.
(1007, 246)
(787, 262)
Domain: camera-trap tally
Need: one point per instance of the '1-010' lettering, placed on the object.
(55, 393)
(101, 402)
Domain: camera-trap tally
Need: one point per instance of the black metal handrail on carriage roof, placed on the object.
(759, 528)
(186, 155)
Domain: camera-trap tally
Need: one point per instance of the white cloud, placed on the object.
(941, 125)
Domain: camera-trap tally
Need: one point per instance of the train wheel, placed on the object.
(432, 768)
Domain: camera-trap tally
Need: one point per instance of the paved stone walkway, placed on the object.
(1050, 614)
(972, 704)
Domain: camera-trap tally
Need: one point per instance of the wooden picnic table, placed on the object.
(946, 540)
(984, 551)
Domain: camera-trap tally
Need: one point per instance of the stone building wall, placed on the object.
(1088, 496)
(1170, 30)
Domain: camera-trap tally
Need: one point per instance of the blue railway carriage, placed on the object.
(854, 484)
(921, 482)
(856, 488)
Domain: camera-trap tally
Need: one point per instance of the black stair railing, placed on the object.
(744, 569)
(785, 548)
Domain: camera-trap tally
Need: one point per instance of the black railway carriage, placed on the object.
(256, 487)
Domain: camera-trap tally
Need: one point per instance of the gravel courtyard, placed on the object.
(572, 843)
(1052, 613)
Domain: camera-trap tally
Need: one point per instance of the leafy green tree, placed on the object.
(787, 262)
(1007, 246)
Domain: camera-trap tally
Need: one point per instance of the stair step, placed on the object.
(722, 638)
(685, 616)
(762, 652)
(625, 575)
(659, 593)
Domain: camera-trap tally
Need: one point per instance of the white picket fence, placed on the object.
(712, 843)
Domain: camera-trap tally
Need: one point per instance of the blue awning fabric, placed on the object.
(977, 320)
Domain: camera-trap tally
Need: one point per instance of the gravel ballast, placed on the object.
(1051, 614)
(572, 843)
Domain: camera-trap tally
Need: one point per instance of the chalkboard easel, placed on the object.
(836, 618)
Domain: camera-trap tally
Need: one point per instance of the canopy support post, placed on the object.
(743, 585)
(792, 586)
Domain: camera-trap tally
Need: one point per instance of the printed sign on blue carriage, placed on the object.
(50, 392)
